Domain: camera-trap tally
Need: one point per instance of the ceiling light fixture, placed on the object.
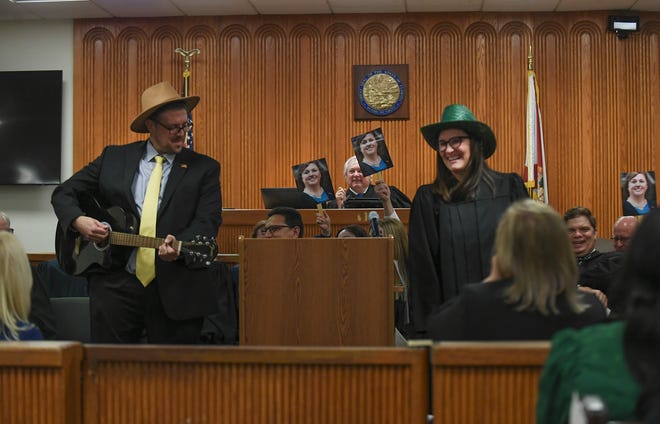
(622, 26)
(43, 1)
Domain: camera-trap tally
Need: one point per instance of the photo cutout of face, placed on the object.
(313, 179)
(371, 152)
(638, 193)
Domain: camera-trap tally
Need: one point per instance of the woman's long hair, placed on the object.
(15, 287)
(394, 227)
(452, 190)
(533, 249)
(641, 339)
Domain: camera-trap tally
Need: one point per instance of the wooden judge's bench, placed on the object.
(236, 222)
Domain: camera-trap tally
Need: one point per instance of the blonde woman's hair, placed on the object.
(15, 287)
(394, 227)
(533, 249)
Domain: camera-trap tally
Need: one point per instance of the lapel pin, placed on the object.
(184, 165)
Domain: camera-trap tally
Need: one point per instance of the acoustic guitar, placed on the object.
(78, 256)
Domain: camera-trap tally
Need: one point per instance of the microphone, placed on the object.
(373, 219)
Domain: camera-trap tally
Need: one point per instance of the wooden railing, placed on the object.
(486, 382)
(40, 382)
(167, 384)
(480, 382)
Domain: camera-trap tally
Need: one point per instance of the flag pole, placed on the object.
(187, 54)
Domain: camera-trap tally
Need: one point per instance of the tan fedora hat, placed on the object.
(158, 96)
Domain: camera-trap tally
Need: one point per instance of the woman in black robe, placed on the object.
(453, 220)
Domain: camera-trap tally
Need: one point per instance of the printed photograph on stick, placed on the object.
(313, 179)
(638, 193)
(371, 152)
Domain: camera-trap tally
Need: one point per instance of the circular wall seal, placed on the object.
(381, 92)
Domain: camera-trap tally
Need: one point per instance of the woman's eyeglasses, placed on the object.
(454, 142)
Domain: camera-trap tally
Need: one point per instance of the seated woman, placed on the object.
(531, 291)
(618, 361)
(15, 287)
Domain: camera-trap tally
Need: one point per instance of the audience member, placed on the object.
(530, 292)
(617, 361)
(359, 187)
(15, 287)
(635, 189)
(394, 227)
(597, 270)
(284, 222)
(258, 231)
(352, 231)
(453, 220)
(150, 290)
(41, 311)
(624, 228)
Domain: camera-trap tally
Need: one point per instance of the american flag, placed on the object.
(189, 135)
(535, 169)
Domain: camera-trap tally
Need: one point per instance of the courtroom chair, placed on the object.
(58, 283)
(222, 327)
(72, 318)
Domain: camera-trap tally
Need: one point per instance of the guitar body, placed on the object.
(78, 256)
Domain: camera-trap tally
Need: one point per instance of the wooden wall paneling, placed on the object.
(255, 385)
(276, 90)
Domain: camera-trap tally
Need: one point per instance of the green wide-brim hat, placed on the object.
(459, 116)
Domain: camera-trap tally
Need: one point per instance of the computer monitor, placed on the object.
(286, 196)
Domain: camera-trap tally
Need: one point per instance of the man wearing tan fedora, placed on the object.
(154, 292)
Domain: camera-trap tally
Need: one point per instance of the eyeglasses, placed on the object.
(175, 130)
(454, 142)
(621, 239)
(274, 228)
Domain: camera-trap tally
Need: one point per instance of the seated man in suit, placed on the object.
(624, 228)
(359, 187)
(284, 222)
(597, 270)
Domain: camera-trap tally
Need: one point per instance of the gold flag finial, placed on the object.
(530, 59)
(187, 54)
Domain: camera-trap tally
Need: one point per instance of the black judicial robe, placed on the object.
(450, 244)
(398, 198)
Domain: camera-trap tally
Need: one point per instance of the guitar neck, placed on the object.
(136, 240)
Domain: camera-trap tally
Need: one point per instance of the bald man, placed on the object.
(624, 229)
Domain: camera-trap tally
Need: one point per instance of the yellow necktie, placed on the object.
(145, 265)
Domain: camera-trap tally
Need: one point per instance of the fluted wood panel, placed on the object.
(161, 384)
(276, 91)
(488, 382)
(40, 382)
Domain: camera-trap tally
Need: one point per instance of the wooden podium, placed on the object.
(315, 291)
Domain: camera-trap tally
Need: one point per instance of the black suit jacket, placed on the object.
(191, 205)
(481, 312)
